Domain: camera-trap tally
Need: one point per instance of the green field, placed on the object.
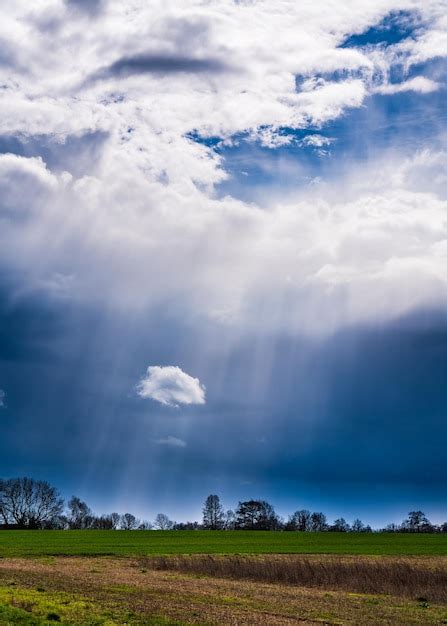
(148, 577)
(129, 543)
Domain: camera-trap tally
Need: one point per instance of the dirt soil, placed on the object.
(103, 590)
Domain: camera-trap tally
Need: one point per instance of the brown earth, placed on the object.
(194, 590)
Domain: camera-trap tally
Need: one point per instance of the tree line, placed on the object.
(26, 503)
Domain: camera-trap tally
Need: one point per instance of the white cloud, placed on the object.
(316, 141)
(2, 398)
(144, 227)
(171, 386)
(174, 442)
(313, 263)
(235, 72)
(332, 256)
(25, 184)
(419, 84)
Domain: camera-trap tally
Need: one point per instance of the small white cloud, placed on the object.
(175, 442)
(171, 386)
(420, 84)
(271, 138)
(2, 398)
(316, 141)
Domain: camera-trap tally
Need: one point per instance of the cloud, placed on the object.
(337, 253)
(419, 84)
(87, 5)
(2, 398)
(92, 7)
(174, 442)
(171, 386)
(316, 141)
(187, 43)
(159, 64)
(142, 225)
(24, 183)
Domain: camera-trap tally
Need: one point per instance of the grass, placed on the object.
(131, 590)
(38, 606)
(424, 578)
(134, 543)
(188, 577)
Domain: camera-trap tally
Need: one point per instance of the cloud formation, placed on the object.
(91, 7)
(419, 84)
(2, 398)
(174, 442)
(159, 64)
(171, 386)
(140, 221)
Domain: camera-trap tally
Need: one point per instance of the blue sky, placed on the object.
(401, 124)
(223, 254)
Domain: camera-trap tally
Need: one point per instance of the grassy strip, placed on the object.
(37, 607)
(421, 581)
(133, 543)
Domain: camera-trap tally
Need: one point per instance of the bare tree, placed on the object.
(230, 520)
(102, 522)
(187, 526)
(80, 516)
(129, 522)
(256, 515)
(391, 528)
(300, 520)
(144, 525)
(357, 526)
(318, 522)
(162, 522)
(213, 513)
(116, 518)
(340, 526)
(29, 503)
(417, 522)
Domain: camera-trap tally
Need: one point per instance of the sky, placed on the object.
(223, 253)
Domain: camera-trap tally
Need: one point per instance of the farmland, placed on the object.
(148, 577)
(134, 543)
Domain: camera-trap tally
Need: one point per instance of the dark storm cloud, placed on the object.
(22, 325)
(93, 7)
(362, 409)
(160, 64)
